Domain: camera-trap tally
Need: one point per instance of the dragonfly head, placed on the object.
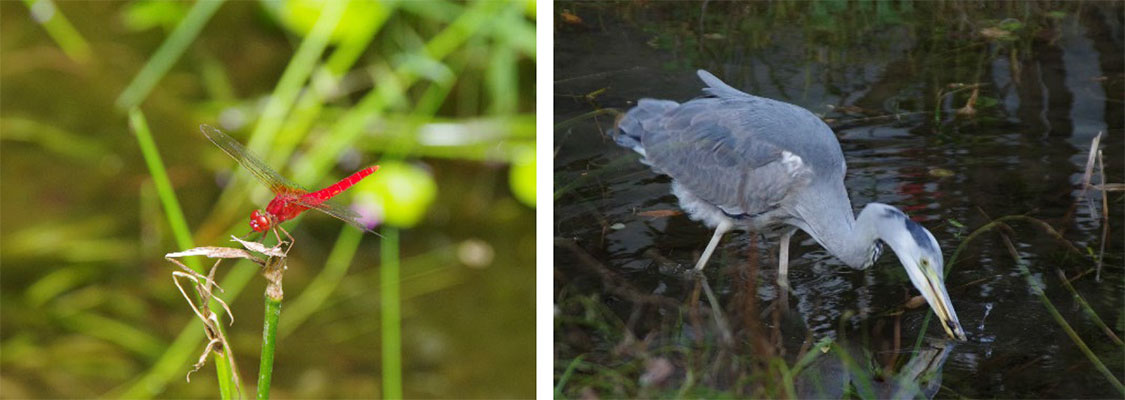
(260, 221)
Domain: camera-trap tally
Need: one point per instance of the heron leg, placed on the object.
(783, 259)
(723, 227)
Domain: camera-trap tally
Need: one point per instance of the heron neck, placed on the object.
(833, 224)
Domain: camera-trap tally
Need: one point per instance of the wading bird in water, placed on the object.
(289, 199)
(742, 161)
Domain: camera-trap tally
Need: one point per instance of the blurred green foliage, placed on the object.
(522, 177)
(299, 16)
(402, 192)
(441, 91)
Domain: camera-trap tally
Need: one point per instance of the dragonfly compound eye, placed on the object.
(259, 221)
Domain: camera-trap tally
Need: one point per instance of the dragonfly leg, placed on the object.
(279, 241)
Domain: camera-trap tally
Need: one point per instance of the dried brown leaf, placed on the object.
(915, 302)
(260, 248)
(569, 17)
(1090, 162)
(215, 252)
(660, 213)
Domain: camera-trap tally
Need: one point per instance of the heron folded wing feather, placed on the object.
(715, 158)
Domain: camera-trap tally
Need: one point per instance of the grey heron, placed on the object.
(742, 161)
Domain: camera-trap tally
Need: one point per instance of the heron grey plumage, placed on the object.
(742, 161)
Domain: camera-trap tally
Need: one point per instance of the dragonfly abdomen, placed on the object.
(343, 184)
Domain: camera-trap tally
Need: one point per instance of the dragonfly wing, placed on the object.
(340, 212)
(259, 169)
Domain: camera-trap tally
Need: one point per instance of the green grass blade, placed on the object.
(351, 125)
(1088, 309)
(566, 376)
(317, 292)
(179, 353)
(311, 103)
(227, 390)
(167, 54)
(269, 345)
(1037, 288)
(300, 67)
(176, 358)
(59, 29)
(163, 185)
(392, 323)
(114, 331)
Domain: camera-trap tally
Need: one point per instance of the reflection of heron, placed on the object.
(851, 366)
(738, 160)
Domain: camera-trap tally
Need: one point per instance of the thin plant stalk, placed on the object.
(311, 102)
(269, 344)
(47, 13)
(179, 353)
(274, 271)
(180, 350)
(566, 376)
(351, 125)
(985, 228)
(167, 54)
(325, 283)
(1038, 290)
(392, 324)
(1089, 310)
(164, 189)
(227, 389)
(300, 67)
(1000, 222)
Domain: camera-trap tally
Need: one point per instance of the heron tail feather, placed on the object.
(637, 122)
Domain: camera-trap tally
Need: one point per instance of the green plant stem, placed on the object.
(566, 376)
(392, 324)
(168, 53)
(1038, 290)
(316, 293)
(860, 379)
(296, 74)
(1070, 331)
(163, 185)
(269, 343)
(227, 390)
(985, 228)
(1089, 310)
(347, 130)
(179, 352)
(59, 29)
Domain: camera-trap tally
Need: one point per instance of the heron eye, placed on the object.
(925, 262)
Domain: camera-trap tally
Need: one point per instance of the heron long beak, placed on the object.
(926, 276)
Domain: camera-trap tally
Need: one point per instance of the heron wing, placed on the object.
(725, 156)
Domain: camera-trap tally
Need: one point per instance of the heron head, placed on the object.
(920, 255)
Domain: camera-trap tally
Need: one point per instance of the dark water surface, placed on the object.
(889, 80)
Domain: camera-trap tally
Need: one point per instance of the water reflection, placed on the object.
(890, 373)
(889, 81)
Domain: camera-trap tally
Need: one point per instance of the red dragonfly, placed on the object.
(290, 199)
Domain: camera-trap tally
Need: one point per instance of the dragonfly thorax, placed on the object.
(284, 207)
